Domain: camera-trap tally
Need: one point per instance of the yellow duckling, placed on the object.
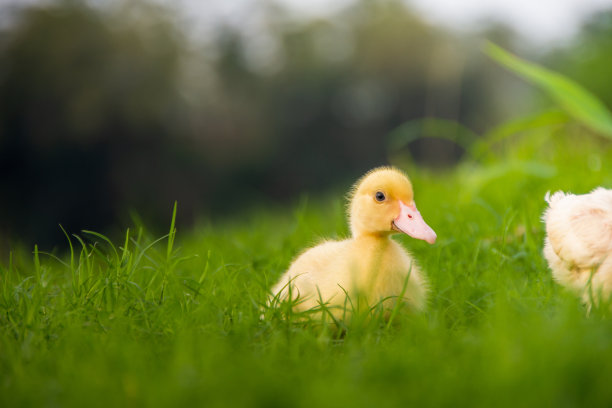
(369, 266)
(578, 243)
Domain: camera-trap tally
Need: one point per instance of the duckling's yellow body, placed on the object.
(578, 243)
(369, 267)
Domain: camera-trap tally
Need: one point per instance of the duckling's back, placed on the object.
(369, 269)
(315, 274)
(578, 244)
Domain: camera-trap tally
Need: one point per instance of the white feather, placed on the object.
(578, 244)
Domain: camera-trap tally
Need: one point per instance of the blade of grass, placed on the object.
(109, 242)
(172, 233)
(71, 247)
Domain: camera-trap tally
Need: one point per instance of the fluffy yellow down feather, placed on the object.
(369, 266)
(578, 243)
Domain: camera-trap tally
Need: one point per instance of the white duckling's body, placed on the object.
(369, 266)
(578, 244)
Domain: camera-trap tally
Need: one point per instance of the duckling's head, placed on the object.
(382, 203)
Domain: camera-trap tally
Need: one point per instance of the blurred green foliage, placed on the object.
(588, 57)
(112, 109)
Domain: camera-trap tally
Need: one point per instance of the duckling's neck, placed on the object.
(379, 237)
(372, 250)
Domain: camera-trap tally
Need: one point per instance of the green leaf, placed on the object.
(513, 127)
(573, 98)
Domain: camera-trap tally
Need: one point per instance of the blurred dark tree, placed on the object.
(343, 85)
(107, 110)
(88, 108)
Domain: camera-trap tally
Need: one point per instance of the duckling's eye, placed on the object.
(379, 196)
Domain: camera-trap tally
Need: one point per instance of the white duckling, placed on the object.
(369, 266)
(578, 243)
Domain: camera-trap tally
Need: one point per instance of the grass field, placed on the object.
(177, 321)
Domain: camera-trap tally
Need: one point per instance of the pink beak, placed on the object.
(410, 222)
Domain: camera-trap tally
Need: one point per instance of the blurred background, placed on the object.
(111, 110)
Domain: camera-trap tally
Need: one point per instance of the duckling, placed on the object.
(369, 266)
(578, 243)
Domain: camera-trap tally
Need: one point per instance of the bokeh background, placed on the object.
(112, 110)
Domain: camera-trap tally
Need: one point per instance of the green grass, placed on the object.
(177, 321)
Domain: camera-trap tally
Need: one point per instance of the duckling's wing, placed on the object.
(579, 227)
